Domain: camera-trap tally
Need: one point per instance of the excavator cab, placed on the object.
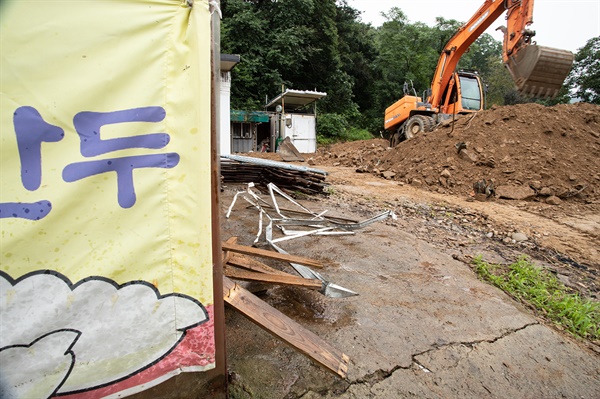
(463, 95)
(471, 92)
(539, 71)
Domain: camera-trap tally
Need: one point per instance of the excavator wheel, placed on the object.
(417, 124)
(396, 138)
(540, 71)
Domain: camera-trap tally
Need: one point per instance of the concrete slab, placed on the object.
(423, 326)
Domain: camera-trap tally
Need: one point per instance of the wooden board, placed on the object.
(242, 261)
(242, 249)
(287, 279)
(226, 254)
(285, 328)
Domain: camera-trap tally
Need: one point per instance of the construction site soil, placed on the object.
(542, 151)
(544, 160)
(541, 160)
(507, 181)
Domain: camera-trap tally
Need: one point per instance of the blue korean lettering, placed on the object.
(32, 131)
(124, 168)
(31, 211)
(88, 125)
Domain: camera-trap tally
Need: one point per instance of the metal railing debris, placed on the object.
(318, 223)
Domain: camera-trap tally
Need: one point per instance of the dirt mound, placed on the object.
(526, 151)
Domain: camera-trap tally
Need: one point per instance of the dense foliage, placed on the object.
(323, 45)
(585, 75)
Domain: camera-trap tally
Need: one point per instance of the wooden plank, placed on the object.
(242, 249)
(227, 254)
(254, 265)
(285, 328)
(247, 275)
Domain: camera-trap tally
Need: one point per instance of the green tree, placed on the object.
(407, 53)
(356, 46)
(287, 42)
(584, 78)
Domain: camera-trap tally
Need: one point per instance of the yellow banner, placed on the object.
(106, 268)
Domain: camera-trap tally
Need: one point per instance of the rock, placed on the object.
(535, 184)
(467, 156)
(481, 197)
(546, 191)
(445, 173)
(490, 235)
(514, 192)
(388, 174)
(519, 237)
(416, 182)
(553, 200)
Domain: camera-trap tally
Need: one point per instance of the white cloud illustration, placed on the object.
(124, 329)
(38, 369)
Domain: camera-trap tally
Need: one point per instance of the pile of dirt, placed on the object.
(526, 151)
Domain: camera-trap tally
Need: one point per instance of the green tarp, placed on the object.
(249, 116)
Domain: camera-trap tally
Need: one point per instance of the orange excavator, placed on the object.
(536, 71)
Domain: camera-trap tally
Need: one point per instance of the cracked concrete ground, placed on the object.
(423, 326)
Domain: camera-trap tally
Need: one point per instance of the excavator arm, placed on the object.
(538, 71)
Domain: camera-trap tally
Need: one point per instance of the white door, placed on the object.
(301, 129)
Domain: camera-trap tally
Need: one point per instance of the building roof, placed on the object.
(228, 61)
(295, 99)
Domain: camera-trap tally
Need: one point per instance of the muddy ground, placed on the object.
(423, 325)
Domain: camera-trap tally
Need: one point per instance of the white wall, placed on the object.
(225, 124)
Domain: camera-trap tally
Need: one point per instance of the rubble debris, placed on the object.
(292, 178)
(288, 151)
(241, 267)
(318, 222)
(515, 192)
(270, 254)
(278, 324)
(311, 223)
(484, 187)
(500, 140)
(553, 200)
(328, 288)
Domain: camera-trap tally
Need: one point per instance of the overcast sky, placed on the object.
(565, 24)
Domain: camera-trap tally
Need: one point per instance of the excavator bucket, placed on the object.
(540, 71)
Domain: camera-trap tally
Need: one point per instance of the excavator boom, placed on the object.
(536, 70)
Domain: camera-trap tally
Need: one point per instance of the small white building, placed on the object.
(293, 114)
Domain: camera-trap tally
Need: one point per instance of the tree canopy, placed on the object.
(323, 45)
(584, 79)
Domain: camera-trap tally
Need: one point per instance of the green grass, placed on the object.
(543, 291)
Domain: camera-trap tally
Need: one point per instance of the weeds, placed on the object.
(542, 290)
